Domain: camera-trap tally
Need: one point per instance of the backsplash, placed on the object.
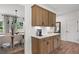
(45, 30)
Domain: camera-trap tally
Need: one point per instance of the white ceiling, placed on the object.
(61, 9)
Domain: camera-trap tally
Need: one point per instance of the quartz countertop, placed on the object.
(46, 35)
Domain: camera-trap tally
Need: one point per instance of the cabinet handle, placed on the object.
(47, 43)
(42, 23)
(52, 24)
(44, 40)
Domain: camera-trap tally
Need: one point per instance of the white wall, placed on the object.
(69, 26)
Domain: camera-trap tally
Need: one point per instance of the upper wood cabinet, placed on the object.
(38, 16)
(52, 19)
(42, 17)
(34, 16)
(45, 17)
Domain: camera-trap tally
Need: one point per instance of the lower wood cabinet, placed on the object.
(35, 45)
(57, 42)
(45, 45)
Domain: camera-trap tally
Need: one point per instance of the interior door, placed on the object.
(71, 29)
(77, 34)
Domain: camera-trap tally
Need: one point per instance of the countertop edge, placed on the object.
(42, 37)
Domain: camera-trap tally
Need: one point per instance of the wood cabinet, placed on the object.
(52, 19)
(45, 45)
(41, 46)
(34, 16)
(35, 45)
(51, 44)
(38, 16)
(45, 17)
(42, 17)
(57, 42)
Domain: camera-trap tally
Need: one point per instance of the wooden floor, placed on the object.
(12, 51)
(18, 49)
(68, 48)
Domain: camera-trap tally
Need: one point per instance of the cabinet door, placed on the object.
(38, 16)
(59, 41)
(43, 46)
(47, 45)
(33, 16)
(45, 17)
(52, 19)
(35, 46)
(52, 44)
(55, 43)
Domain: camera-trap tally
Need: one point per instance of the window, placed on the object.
(19, 25)
(1, 26)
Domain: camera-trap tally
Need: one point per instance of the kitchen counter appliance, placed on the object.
(39, 32)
